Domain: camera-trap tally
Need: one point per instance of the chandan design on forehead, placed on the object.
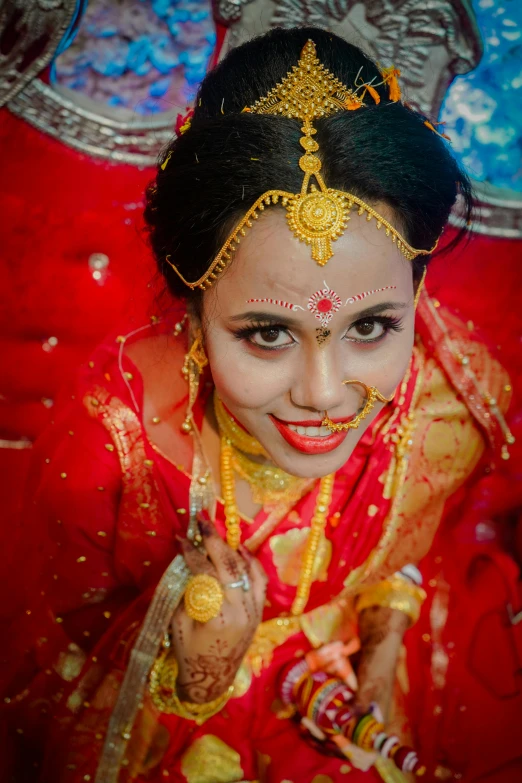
(324, 304)
(279, 302)
(360, 297)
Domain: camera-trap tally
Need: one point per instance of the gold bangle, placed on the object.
(162, 686)
(394, 593)
(203, 598)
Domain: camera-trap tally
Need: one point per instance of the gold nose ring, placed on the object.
(372, 396)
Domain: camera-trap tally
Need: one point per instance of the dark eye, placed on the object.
(365, 328)
(271, 336)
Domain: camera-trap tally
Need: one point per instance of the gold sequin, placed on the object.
(156, 419)
(109, 447)
(100, 489)
(181, 511)
(101, 533)
(63, 475)
(81, 559)
(210, 760)
(372, 510)
(107, 615)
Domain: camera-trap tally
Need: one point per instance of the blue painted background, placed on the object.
(482, 111)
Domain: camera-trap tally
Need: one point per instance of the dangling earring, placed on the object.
(201, 493)
(193, 365)
(419, 288)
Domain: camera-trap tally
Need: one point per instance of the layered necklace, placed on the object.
(270, 485)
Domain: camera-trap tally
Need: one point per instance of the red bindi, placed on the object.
(324, 305)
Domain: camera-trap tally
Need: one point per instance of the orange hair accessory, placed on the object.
(431, 126)
(391, 78)
(353, 102)
(373, 92)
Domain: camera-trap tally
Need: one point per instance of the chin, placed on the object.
(313, 465)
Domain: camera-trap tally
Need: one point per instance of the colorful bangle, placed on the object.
(394, 593)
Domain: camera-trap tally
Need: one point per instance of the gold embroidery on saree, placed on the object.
(210, 760)
(288, 551)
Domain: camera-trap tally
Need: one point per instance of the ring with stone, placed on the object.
(244, 582)
(203, 598)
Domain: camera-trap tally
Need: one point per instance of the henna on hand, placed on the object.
(381, 631)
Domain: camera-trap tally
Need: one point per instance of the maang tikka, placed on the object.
(317, 215)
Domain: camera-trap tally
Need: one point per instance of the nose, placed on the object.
(319, 382)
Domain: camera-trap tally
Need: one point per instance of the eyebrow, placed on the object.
(261, 315)
(284, 320)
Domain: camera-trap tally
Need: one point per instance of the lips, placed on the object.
(307, 444)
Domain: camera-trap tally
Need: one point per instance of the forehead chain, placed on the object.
(317, 215)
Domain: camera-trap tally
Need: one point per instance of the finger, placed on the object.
(258, 581)
(195, 558)
(229, 565)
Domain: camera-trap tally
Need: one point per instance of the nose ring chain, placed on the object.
(372, 396)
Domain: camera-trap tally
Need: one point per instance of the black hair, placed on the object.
(228, 158)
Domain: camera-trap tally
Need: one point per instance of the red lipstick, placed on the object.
(306, 444)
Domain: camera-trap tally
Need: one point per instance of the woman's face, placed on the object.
(283, 333)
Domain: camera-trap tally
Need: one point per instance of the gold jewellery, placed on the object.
(234, 439)
(193, 365)
(162, 685)
(203, 598)
(372, 395)
(269, 484)
(318, 215)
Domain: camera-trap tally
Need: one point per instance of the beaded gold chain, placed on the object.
(317, 527)
(322, 506)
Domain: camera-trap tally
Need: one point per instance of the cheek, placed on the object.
(242, 380)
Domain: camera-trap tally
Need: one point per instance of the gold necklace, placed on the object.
(269, 484)
(319, 517)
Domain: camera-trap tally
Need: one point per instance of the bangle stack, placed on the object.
(396, 592)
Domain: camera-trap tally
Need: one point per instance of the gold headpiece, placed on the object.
(315, 216)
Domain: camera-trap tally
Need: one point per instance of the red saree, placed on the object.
(106, 507)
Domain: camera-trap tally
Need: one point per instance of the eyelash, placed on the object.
(389, 323)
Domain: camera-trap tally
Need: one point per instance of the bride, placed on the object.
(221, 557)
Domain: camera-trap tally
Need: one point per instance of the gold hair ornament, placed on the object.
(372, 395)
(318, 215)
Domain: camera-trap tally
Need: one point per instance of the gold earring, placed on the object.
(419, 288)
(193, 365)
(372, 395)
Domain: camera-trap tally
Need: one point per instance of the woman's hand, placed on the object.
(209, 654)
(381, 630)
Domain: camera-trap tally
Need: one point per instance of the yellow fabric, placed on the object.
(210, 760)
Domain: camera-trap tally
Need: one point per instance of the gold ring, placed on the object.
(372, 394)
(203, 598)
